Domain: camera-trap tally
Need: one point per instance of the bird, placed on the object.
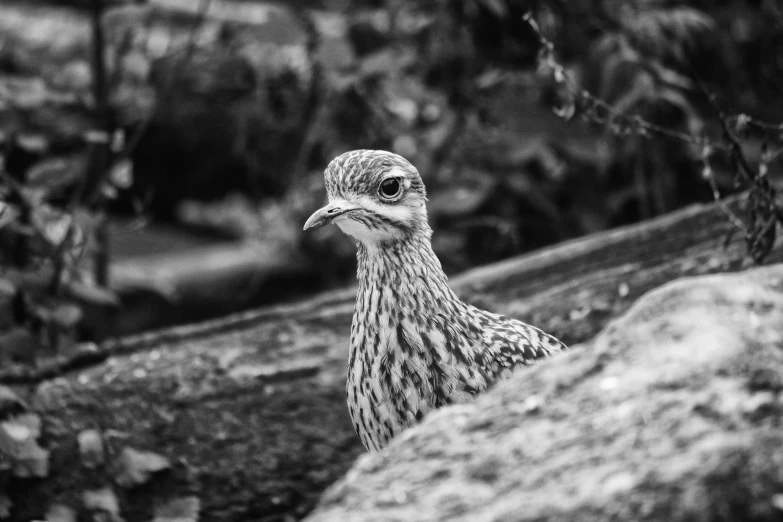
(415, 346)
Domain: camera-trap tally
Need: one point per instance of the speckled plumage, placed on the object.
(415, 346)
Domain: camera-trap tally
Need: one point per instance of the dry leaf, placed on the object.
(67, 315)
(30, 420)
(91, 448)
(182, 509)
(121, 174)
(5, 506)
(33, 461)
(60, 513)
(10, 402)
(18, 443)
(102, 501)
(8, 213)
(136, 467)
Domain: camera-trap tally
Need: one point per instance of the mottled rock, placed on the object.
(673, 412)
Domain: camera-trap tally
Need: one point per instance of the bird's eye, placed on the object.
(390, 188)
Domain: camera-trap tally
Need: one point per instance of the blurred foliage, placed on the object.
(763, 211)
(53, 211)
(222, 115)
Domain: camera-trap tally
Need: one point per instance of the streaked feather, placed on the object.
(415, 346)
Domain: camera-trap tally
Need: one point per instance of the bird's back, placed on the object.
(401, 369)
(509, 343)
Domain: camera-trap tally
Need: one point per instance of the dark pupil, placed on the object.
(390, 188)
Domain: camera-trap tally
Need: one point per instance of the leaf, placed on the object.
(404, 109)
(31, 421)
(66, 315)
(5, 506)
(18, 441)
(18, 344)
(385, 62)
(23, 93)
(10, 403)
(378, 63)
(59, 228)
(8, 213)
(496, 7)
(33, 143)
(33, 196)
(91, 448)
(109, 191)
(665, 31)
(121, 174)
(7, 287)
(135, 467)
(102, 501)
(52, 174)
(60, 513)
(182, 509)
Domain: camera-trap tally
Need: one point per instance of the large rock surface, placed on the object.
(673, 412)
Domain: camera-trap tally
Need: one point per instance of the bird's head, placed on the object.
(375, 197)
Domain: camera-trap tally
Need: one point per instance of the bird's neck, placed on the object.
(402, 280)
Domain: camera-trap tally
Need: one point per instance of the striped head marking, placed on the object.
(374, 196)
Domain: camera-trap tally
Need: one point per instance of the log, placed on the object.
(251, 407)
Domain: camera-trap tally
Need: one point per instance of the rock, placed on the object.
(672, 413)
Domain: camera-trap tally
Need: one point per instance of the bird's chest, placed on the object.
(401, 366)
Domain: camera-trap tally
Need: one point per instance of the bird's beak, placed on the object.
(324, 216)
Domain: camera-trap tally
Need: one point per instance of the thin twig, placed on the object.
(760, 186)
(732, 217)
(760, 183)
(753, 122)
(735, 147)
(633, 121)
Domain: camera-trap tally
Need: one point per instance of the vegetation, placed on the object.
(459, 87)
